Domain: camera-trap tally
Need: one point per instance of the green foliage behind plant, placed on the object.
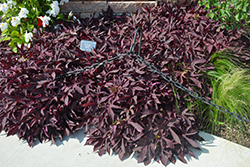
(234, 13)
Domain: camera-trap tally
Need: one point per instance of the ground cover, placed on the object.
(124, 106)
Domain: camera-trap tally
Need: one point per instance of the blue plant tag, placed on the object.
(87, 45)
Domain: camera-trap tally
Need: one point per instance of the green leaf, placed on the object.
(5, 31)
(237, 16)
(220, 123)
(222, 12)
(60, 16)
(14, 34)
(14, 49)
(5, 39)
(239, 5)
(244, 7)
(217, 3)
(206, 7)
(30, 27)
(228, 14)
(21, 5)
(211, 15)
(9, 14)
(15, 41)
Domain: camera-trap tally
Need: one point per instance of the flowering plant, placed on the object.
(20, 17)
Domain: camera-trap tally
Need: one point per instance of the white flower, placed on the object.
(48, 12)
(25, 45)
(4, 7)
(70, 14)
(15, 21)
(23, 13)
(63, 1)
(11, 3)
(45, 20)
(3, 26)
(74, 18)
(55, 3)
(55, 9)
(28, 36)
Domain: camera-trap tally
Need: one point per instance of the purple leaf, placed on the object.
(103, 99)
(191, 153)
(66, 100)
(78, 89)
(142, 155)
(88, 104)
(192, 142)
(111, 113)
(13, 131)
(146, 112)
(175, 136)
(138, 88)
(164, 159)
(170, 144)
(136, 126)
(197, 82)
(138, 136)
(210, 48)
(181, 157)
(115, 106)
(66, 131)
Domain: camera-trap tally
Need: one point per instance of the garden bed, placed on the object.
(125, 104)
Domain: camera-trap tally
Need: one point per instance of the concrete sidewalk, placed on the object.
(71, 152)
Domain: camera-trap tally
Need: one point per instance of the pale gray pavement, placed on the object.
(71, 152)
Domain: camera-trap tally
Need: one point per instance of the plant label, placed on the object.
(87, 45)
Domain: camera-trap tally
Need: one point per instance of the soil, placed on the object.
(234, 134)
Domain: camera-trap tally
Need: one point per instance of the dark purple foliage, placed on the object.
(124, 106)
